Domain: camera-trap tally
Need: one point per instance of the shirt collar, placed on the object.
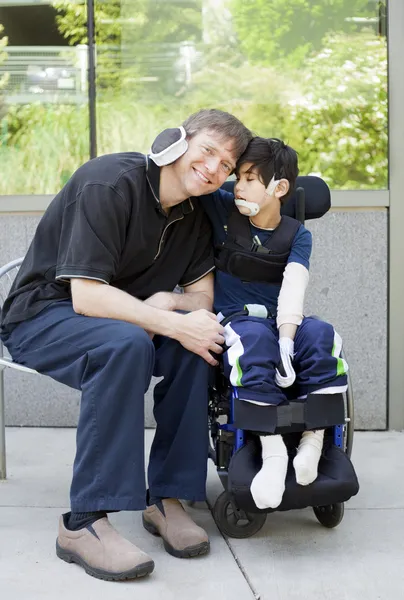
(153, 179)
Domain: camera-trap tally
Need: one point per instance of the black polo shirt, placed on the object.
(107, 224)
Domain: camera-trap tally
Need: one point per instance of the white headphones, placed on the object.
(169, 145)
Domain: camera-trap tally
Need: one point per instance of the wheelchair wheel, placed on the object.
(331, 515)
(233, 522)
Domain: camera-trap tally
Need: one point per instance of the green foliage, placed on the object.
(333, 111)
(273, 31)
(45, 144)
(127, 35)
(340, 122)
(3, 78)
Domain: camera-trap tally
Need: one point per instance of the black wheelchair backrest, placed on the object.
(311, 198)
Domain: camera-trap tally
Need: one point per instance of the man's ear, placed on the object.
(282, 188)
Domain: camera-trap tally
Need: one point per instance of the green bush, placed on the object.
(3, 78)
(45, 145)
(340, 124)
(334, 112)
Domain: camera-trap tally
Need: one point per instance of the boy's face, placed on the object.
(249, 187)
(206, 164)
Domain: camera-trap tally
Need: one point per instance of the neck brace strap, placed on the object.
(271, 187)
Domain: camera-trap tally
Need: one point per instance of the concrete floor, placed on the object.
(292, 557)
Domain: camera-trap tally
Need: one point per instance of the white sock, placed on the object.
(308, 456)
(268, 485)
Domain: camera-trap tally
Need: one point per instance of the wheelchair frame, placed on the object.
(227, 440)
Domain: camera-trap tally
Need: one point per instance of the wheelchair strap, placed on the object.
(241, 257)
(317, 411)
(280, 242)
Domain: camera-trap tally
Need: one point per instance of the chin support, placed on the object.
(252, 207)
(169, 145)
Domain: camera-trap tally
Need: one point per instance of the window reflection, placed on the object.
(313, 73)
(43, 100)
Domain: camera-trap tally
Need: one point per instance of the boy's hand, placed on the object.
(285, 374)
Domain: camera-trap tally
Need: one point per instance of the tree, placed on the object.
(277, 29)
(134, 37)
(3, 78)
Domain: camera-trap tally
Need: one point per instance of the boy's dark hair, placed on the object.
(271, 157)
(223, 123)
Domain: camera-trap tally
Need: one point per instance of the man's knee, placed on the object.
(130, 340)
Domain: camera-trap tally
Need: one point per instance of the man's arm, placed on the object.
(196, 296)
(197, 331)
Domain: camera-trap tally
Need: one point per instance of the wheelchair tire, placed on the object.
(331, 515)
(236, 523)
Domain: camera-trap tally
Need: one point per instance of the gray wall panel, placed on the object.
(348, 287)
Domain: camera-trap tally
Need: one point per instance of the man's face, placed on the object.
(206, 164)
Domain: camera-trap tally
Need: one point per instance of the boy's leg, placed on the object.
(318, 362)
(251, 359)
(250, 364)
(319, 369)
(179, 453)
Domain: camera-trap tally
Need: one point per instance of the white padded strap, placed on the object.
(257, 310)
(291, 296)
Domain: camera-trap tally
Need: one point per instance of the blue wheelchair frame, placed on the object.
(228, 439)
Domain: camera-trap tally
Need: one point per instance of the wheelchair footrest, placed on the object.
(336, 481)
(317, 411)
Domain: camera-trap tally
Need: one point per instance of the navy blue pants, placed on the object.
(253, 356)
(112, 362)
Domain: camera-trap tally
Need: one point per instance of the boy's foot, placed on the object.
(268, 485)
(102, 551)
(181, 536)
(308, 456)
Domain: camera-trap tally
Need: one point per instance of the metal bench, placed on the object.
(7, 275)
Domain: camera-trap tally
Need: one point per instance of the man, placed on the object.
(92, 307)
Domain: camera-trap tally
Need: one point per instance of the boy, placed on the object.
(250, 226)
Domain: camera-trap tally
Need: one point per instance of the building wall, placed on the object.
(348, 287)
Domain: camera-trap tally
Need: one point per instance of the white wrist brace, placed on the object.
(287, 376)
(291, 296)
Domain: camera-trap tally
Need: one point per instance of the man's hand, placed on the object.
(162, 300)
(200, 333)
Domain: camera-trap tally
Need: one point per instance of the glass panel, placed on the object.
(313, 73)
(43, 100)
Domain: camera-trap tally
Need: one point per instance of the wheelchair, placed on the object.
(236, 451)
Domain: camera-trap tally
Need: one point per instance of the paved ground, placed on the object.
(291, 558)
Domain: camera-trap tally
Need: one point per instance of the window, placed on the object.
(43, 101)
(313, 73)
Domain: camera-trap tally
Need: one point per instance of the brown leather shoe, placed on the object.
(102, 551)
(181, 536)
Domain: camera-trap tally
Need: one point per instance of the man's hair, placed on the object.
(271, 157)
(227, 126)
